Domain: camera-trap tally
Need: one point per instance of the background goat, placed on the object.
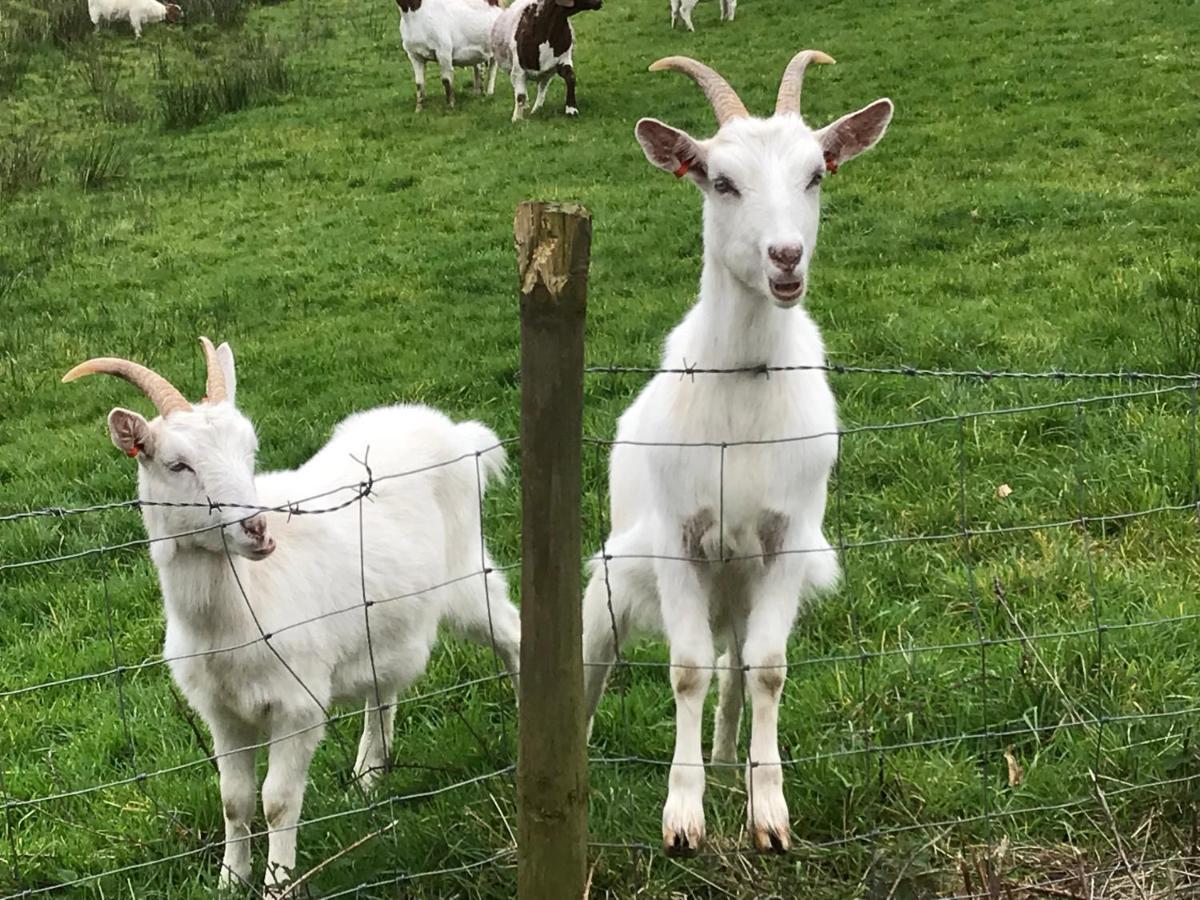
(450, 33)
(720, 543)
(533, 41)
(263, 637)
(681, 11)
(136, 12)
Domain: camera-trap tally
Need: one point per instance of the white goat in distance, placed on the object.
(263, 637)
(718, 482)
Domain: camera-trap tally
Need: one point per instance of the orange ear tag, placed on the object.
(683, 169)
(831, 165)
(132, 452)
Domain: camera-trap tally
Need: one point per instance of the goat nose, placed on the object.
(256, 527)
(786, 256)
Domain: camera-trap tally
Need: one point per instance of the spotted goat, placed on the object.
(718, 481)
(533, 40)
(451, 33)
(287, 592)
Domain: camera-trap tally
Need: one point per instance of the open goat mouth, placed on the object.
(787, 288)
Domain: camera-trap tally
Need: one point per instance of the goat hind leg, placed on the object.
(728, 716)
(374, 749)
(567, 72)
(543, 86)
(685, 12)
(446, 64)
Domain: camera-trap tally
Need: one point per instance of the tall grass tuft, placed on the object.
(102, 79)
(23, 162)
(1174, 300)
(250, 78)
(102, 163)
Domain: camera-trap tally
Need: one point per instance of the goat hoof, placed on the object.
(768, 840)
(572, 111)
(679, 845)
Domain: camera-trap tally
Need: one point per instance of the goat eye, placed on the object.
(815, 181)
(724, 186)
(180, 466)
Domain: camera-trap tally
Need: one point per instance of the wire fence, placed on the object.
(1080, 718)
(1001, 694)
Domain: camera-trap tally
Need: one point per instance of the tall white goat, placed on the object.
(718, 482)
(263, 637)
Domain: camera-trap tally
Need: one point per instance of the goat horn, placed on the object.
(215, 389)
(165, 397)
(793, 79)
(724, 99)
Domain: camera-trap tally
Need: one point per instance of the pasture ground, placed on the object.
(259, 176)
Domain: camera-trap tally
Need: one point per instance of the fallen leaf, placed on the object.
(1015, 773)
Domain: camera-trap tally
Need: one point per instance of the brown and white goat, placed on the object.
(533, 40)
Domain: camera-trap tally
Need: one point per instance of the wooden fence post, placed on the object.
(553, 247)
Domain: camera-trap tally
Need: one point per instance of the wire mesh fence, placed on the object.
(1012, 705)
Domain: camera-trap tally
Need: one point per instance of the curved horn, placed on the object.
(724, 99)
(788, 100)
(161, 392)
(215, 390)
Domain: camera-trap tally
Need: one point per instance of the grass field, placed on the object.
(258, 175)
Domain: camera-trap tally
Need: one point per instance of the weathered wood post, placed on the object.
(553, 247)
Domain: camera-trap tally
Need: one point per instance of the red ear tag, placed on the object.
(132, 451)
(683, 169)
(831, 165)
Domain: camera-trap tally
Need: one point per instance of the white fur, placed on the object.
(136, 12)
(418, 531)
(692, 526)
(681, 11)
(450, 33)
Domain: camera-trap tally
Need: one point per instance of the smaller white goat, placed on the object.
(136, 12)
(262, 637)
(450, 33)
(533, 40)
(681, 11)
(718, 483)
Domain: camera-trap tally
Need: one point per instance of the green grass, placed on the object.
(1032, 208)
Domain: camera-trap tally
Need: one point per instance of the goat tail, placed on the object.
(479, 440)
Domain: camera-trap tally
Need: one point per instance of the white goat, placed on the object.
(136, 12)
(718, 481)
(264, 638)
(450, 33)
(681, 10)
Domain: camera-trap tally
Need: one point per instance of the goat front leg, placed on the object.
(491, 85)
(418, 66)
(543, 86)
(446, 64)
(234, 747)
(567, 72)
(686, 622)
(728, 8)
(294, 739)
(685, 13)
(765, 655)
(375, 746)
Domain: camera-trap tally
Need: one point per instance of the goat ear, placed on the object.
(672, 150)
(130, 433)
(225, 358)
(852, 134)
